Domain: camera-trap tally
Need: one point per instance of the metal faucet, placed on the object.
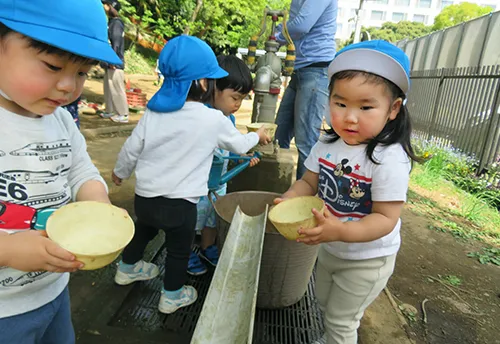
(269, 69)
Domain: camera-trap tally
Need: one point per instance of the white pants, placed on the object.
(115, 97)
(345, 288)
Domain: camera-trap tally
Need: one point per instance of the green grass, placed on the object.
(478, 220)
(137, 63)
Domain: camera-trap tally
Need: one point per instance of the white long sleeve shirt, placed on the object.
(43, 163)
(172, 152)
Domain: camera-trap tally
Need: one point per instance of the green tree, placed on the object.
(456, 14)
(229, 24)
(161, 18)
(224, 24)
(393, 32)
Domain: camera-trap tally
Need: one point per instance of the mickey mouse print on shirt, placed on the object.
(347, 193)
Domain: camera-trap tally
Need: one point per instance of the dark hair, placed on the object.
(395, 131)
(196, 92)
(114, 5)
(46, 48)
(239, 77)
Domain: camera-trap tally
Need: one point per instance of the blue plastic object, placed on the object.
(216, 179)
(42, 216)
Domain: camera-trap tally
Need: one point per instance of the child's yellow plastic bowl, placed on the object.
(294, 213)
(270, 128)
(94, 232)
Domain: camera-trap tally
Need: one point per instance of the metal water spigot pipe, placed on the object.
(269, 69)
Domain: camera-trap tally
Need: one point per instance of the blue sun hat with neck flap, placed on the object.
(183, 60)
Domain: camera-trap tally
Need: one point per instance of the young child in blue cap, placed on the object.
(44, 61)
(360, 168)
(229, 94)
(171, 150)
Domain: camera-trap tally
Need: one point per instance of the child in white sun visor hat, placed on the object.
(360, 168)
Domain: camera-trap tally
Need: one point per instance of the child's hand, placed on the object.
(33, 251)
(253, 161)
(263, 138)
(329, 229)
(116, 179)
(278, 200)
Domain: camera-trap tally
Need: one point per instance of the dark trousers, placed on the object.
(177, 218)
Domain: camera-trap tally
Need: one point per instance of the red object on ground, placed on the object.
(136, 99)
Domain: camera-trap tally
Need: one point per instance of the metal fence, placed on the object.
(459, 107)
(471, 44)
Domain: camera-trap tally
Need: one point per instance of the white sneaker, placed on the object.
(188, 297)
(321, 340)
(119, 119)
(142, 271)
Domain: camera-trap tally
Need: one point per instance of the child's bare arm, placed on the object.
(306, 186)
(379, 223)
(93, 190)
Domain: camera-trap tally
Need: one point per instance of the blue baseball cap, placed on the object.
(376, 57)
(77, 26)
(183, 60)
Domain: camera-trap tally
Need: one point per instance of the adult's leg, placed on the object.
(284, 118)
(118, 94)
(310, 106)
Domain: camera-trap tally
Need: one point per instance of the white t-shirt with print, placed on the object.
(43, 164)
(349, 182)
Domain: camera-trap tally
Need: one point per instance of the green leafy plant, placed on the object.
(410, 315)
(451, 280)
(488, 255)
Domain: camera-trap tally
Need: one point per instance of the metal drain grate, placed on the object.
(300, 323)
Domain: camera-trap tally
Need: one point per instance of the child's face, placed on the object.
(37, 83)
(228, 101)
(106, 8)
(359, 110)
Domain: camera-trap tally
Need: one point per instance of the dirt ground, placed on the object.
(467, 313)
(464, 314)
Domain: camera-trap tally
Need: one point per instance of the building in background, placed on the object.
(377, 12)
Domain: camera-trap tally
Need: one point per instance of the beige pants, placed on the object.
(345, 288)
(115, 97)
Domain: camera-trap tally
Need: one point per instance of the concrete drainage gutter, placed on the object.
(232, 297)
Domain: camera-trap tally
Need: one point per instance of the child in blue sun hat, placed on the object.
(171, 150)
(229, 94)
(360, 168)
(47, 47)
